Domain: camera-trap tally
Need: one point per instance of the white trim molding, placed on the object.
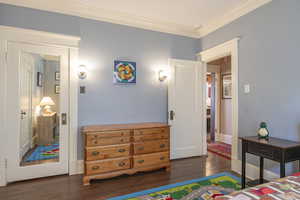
(77, 167)
(86, 10)
(225, 138)
(229, 48)
(3, 140)
(47, 39)
(231, 16)
(38, 37)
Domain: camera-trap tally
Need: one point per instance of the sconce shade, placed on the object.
(47, 101)
(82, 72)
(162, 75)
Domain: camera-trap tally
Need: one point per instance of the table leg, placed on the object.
(243, 166)
(261, 170)
(282, 169)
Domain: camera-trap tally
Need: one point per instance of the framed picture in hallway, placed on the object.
(226, 86)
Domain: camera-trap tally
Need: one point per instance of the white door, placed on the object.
(187, 108)
(36, 72)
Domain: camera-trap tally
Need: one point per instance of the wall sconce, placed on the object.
(82, 72)
(162, 75)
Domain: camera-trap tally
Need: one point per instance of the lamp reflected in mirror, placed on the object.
(46, 103)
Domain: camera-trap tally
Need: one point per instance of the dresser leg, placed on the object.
(168, 169)
(86, 181)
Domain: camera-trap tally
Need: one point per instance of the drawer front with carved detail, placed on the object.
(102, 134)
(96, 167)
(149, 137)
(150, 131)
(98, 141)
(150, 159)
(151, 147)
(114, 151)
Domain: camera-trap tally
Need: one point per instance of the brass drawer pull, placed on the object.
(95, 167)
(95, 153)
(122, 164)
(141, 161)
(162, 146)
(122, 150)
(122, 140)
(162, 158)
(95, 142)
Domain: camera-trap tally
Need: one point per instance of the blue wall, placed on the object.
(269, 52)
(102, 43)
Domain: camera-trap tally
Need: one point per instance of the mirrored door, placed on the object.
(39, 93)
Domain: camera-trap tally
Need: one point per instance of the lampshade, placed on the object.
(47, 101)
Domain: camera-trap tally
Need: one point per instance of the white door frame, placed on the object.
(47, 39)
(229, 48)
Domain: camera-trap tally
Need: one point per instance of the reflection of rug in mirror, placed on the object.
(44, 152)
(220, 149)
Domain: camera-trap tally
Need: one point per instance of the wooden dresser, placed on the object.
(113, 150)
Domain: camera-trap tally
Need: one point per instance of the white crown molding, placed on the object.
(84, 10)
(229, 17)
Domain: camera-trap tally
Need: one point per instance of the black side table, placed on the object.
(282, 151)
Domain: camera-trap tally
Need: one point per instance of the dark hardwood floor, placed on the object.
(71, 188)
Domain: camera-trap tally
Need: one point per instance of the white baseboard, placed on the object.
(2, 173)
(220, 137)
(76, 167)
(252, 171)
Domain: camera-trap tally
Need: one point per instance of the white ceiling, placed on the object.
(193, 18)
(182, 12)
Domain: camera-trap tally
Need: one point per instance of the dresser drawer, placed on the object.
(102, 141)
(96, 167)
(151, 147)
(150, 131)
(150, 159)
(118, 133)
(149, 137)
(264, 151)
(100, 153)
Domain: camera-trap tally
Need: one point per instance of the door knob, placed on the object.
(22, 114)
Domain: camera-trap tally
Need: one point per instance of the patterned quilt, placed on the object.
(287, 188)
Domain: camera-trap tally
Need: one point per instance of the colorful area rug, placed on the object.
(206, 188)
(220, 149)
(44, 152)
(287, 188)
